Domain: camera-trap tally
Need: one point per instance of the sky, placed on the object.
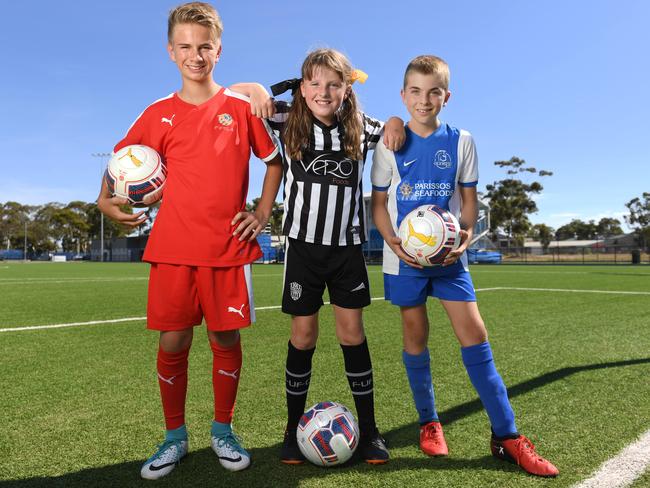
(561, 84)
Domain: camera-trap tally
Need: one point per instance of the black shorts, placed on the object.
(309, 267)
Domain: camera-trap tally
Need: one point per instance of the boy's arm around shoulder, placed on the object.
(262, 104)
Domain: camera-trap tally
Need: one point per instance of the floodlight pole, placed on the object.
(103, 157)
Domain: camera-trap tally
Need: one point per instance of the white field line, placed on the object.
(45, 281)
(41, 281)
(622, 469)
(113, 321)
(564, 290)
(275, 307)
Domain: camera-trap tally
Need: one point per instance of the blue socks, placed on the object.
(179, 434)
(418, 371)
(219, 430)
(483, 374)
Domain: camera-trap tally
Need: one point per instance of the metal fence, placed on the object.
(586, 255)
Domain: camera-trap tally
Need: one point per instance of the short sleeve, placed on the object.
(381, 174)
(467, 160)
(372, 130)
(136, 134)
(262, 140)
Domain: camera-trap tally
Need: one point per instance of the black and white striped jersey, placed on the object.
(323, 194)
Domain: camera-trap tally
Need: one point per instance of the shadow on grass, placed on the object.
(200, 468)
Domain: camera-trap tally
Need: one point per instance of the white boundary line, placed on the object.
(275, 307)
(609, 292)
(624, 468)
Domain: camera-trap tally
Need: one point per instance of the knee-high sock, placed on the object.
(297, 375)
(358, 368)
(483, 374)
(226, 370)
(418, 371)
(172, 380)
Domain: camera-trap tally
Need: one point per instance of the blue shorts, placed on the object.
(409, 291)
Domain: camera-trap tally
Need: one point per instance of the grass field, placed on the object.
(80, 404)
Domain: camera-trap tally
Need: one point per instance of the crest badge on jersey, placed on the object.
(405, 189)
(442, 159)
(296, 290)
(225, 119)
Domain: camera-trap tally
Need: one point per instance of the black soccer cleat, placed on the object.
(290, 453)
(372, 447)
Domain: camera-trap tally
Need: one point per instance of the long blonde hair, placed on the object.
(299, 121)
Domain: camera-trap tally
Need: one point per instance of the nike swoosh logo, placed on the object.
(234, 460)
(410, 162)
(159, 467)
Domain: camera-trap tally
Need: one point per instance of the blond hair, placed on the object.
(195, 13)
(428, 64)
(299, 121)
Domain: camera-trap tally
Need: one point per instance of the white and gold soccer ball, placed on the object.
(327, 434)
(428, 234)
(134, 172)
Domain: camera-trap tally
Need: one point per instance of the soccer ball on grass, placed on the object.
(327, 434)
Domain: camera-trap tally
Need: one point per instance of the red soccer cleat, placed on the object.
(521, 451)
(432, 439)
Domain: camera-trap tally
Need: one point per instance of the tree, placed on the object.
(542, 233)
(13, 216)
(577, 229)
(639, 218)
(608, 227)
(511, 200)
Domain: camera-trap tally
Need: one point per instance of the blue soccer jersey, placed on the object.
(426, 170)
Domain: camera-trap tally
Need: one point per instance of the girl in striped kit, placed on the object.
(325, 138)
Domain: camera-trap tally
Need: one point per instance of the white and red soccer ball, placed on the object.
(134, 172)
(327, 434)
(429, 233)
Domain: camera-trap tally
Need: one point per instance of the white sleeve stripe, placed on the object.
(233, 94)
(272, 155)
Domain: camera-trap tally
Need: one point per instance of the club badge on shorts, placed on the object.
(296, 290)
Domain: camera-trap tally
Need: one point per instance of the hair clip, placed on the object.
(358, 75)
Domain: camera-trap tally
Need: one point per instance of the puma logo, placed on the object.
(428, 240)
(166, 380)
(226, 373)
(134, 160)
(238, 311)
(169, 121)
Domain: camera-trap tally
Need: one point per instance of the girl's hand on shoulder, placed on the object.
(250, 226)
(395, 244)
(394, 134)
(454, 256)
(262, 104)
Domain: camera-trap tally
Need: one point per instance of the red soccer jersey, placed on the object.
(206, 149)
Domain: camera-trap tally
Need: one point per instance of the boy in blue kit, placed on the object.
(438, 165)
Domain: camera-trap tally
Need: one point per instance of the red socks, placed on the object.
(226, 368)
(172, 379)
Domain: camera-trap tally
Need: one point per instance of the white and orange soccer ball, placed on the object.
(134, 172)
(327, 434)
(429, 233)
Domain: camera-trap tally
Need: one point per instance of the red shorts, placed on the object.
(181, 296)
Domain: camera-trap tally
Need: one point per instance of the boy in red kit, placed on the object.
(202, 242)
